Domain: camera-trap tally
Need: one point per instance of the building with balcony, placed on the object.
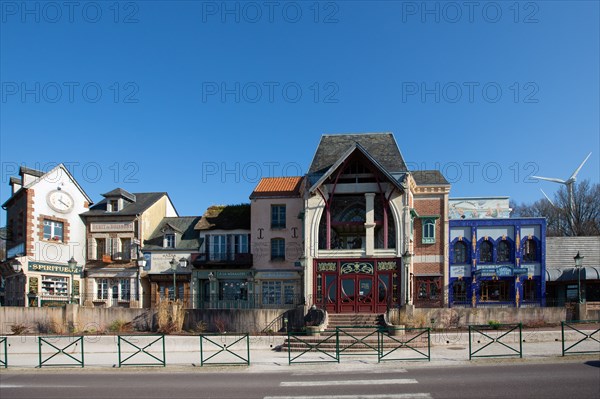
(45, 239)
(116, 227)
(223, 277)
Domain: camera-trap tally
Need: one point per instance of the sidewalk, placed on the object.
(183, 352)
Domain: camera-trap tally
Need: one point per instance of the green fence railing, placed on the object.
(313, 348)
(155, 359)
(231, 350)
(59, 353)
(404, 344)
(477, 333)
(353, 343)
(585, 341)
(3, 352)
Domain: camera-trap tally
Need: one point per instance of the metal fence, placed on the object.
(358, 340)
(495, 339)
(3, 352)
(224, 349)
(313, 349)
(586, 342)
(404, 344)
(72, 351)
(142, 352)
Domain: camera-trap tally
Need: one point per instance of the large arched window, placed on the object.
(485, 252)
(530, 251)
(460, 252)
(504, 251)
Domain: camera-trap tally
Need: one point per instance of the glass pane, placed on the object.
(331, 286)
(384, 283)
(348, 287)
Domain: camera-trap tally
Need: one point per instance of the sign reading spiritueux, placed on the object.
(52, 268)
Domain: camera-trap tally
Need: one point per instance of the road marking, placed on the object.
(383, 396)
(351, 371)
(346, 382)
(11, 386)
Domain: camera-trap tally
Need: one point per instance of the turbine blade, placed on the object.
(574, 175)
(550, 179)
(548, 198)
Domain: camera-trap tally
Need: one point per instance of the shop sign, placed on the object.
(532, 270)
(276, 275)
(111, 227)
(460, 271)
(233, 274)
(52, 268)
(504, 271)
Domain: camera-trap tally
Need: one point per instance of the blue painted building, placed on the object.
(497, 262)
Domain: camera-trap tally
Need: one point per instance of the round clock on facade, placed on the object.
(60, 201)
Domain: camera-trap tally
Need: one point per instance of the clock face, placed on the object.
(60, 201)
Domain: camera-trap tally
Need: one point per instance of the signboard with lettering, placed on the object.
(53, 268)
(110, 227)
(33, 285)
(460, 271)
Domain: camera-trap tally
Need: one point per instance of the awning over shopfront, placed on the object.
(570, 274)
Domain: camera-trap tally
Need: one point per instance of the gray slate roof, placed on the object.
(33, 172)
(119, 192)
(184, 224)
(561, 250)
(143, 201)
(426, 177)
(381, 146)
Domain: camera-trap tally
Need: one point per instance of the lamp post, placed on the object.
(141, 263)
(578, 263)
(72, 265)
(174, 263)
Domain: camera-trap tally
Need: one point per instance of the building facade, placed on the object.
(497, 262)
(360, 206)
(44, 232)
(116, 226)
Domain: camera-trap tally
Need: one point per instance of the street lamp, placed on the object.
(141, 263)
(406, 262)
(174, 263)
(72, 265)
(578, 263)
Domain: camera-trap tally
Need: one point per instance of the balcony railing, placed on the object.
(224, 258)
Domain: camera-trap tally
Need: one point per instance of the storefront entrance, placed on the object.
(357, 286)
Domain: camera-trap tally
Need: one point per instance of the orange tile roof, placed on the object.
(273, 186)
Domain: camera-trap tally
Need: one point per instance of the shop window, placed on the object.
(428, 231)
(494, 291)
(428, 288)
(53, 230)
(529, 290)
(271, 292)
(459, 291)
(530, 251)
(54, 285)
(289, 294)
(485, 252)
(233, 290)
(278, 216)
(102, 288)
(277, 249)
(125, 289)
(504, 251)
(460, 252)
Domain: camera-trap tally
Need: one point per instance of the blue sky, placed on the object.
(201, 98)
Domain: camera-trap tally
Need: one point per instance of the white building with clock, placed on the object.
(45, 249)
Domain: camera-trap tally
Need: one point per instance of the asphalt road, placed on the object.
(574, 380)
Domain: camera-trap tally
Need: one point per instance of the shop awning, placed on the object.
(571, 274)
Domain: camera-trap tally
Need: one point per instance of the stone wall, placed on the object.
(74, 318)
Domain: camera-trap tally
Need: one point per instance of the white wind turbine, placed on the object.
(570, 182)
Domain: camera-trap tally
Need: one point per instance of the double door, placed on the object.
(356, 293)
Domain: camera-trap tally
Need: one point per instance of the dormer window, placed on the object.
(113, 205)
(169, 241)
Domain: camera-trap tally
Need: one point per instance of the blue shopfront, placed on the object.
(497, 262)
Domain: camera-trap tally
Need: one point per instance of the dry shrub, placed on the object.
(18, 329)
(221, 325)
(170, 316)
(120, 326)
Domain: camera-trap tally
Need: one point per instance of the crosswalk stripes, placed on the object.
(346, 383)
(356, 371)
(374, 396)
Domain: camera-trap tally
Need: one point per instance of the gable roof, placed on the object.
(40, 175)
(182, 224)
(278, 187)
(381, 146)
(143, 201)
(396, 179)
(429, 177)
(225, 217)
(561, 250)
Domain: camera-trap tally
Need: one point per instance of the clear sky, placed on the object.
(201, 98)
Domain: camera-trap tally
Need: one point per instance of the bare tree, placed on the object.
(586, 211)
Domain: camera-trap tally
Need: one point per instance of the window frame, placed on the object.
(278, 216)
(465, 247)
(277, 249)
(527, 253)
(485, 243)
(500, 255)
(170, 240)
(428, 225)
(101, 291)
(53, 224)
